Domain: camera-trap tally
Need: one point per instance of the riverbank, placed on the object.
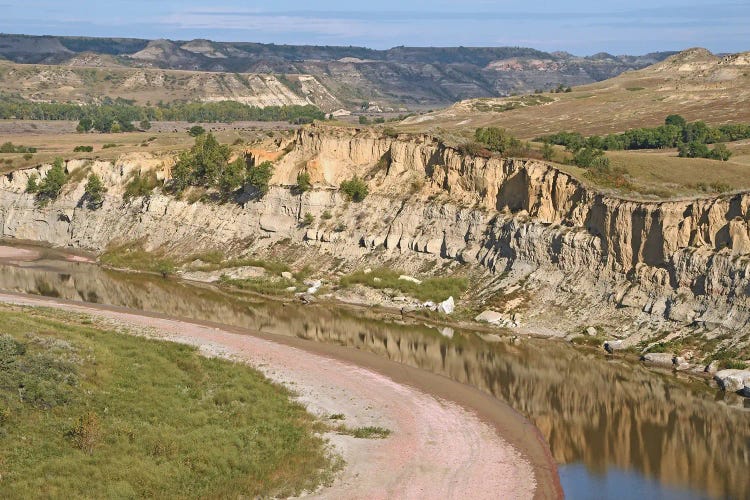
(446, 437)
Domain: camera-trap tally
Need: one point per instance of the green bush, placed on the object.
(355, 189)
(83, 149)
(590, 157)
(548, 152)
(474, 149)
(140, 185)
(308, 220)
(233, 176)
(497, 139)
(202, 165)
(196, 130)
(32, 184)
(259, 177)
(94, 192)
(9, 147)
(303, 182)
(49, 188)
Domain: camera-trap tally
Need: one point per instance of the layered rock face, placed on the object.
(581, 256)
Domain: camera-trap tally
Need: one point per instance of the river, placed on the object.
(617, 430)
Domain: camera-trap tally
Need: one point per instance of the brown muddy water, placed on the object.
(617, 430)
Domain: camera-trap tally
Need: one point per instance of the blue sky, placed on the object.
(581, 27)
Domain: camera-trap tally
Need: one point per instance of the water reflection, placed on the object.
(609, 421)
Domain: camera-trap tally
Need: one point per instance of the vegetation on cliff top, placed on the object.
(88, 411)
(207, 165)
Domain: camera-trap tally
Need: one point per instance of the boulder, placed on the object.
(712, 367)
(663, 359)
(447, 332)
(591, 331)
(680, 363)
(492, 317)
(410, 278)
(447, 306)
(314, 286)
(287, 275)
(306, 298)
(732, 380)
(614, 345)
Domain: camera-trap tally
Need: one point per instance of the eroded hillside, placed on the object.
(537, 244)
(410, 77)
(695, 84)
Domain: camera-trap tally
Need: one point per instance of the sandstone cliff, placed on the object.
(578, 256)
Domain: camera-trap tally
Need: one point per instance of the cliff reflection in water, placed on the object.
(599, 413)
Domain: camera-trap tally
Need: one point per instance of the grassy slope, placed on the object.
(692, 84)
(159, 419)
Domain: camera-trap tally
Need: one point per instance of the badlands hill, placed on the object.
(694, 83)
(401, 77)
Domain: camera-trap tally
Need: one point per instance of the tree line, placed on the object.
(690, 138)
(119, 115)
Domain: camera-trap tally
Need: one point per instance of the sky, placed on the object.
(582, 27)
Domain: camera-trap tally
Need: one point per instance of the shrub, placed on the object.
(86, 432)
(83, 149)
(363, 120)
(109, 145)
(720, 152)
(233, 176)
(50, 187)
(140, 185)
(590, 157)
(202, 165)
(497, 139)
(303, 182)
(196, 130)
(28, 156)
(31, 184)
(474, 149)
(355, 189)
(94, 192)
(144, 125)
(85, 125)
(259, 176)
(548, 152)
(390, 132)
(308, 220)
(9, 147)
(326, 215)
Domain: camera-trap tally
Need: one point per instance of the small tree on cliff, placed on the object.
(94, 192)
(259, 176)
(49, 188)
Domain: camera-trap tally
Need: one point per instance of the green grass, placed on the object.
(133, 256)
(86, 412)
(368, 432)
(436, 289)
(264, 286)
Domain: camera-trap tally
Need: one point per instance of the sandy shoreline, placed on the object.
(447, 441)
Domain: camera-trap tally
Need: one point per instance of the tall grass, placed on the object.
(437, 289)
(106, 414)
